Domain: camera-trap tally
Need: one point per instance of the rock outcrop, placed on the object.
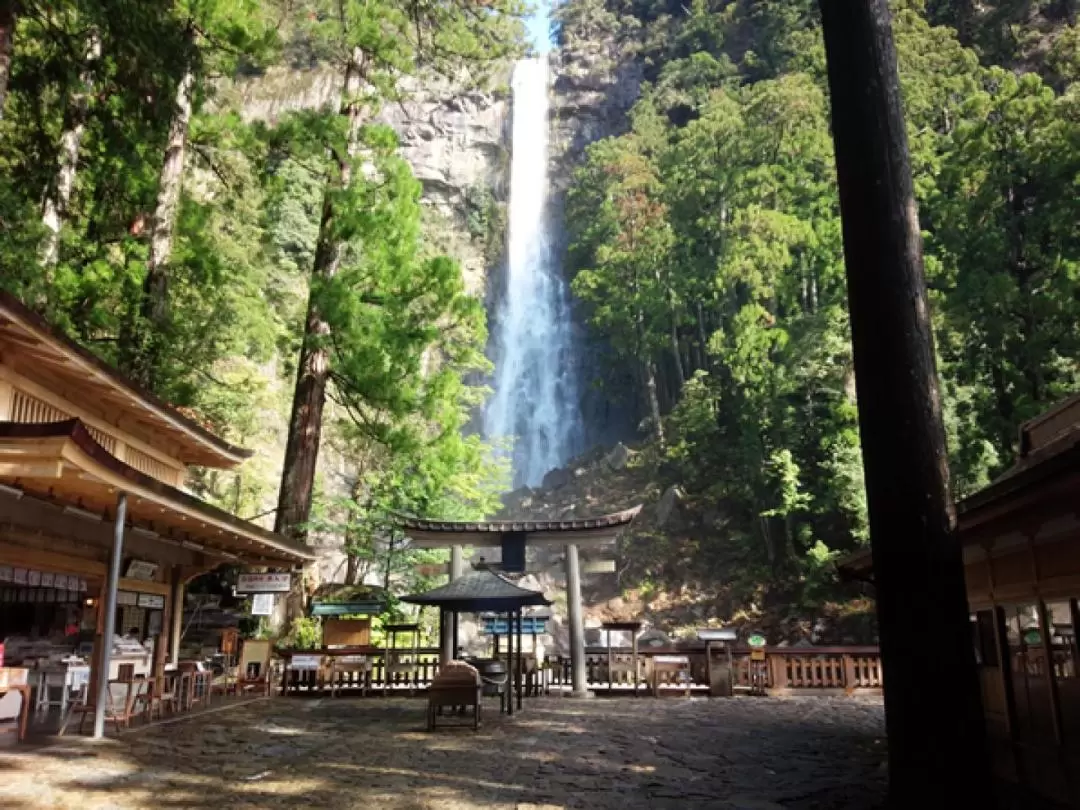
(455, 139)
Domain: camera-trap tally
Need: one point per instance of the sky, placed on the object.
(539, 34)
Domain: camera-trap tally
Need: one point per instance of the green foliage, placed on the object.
(305, 633)
(705, 242)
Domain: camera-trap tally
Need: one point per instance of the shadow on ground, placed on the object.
(803, 754)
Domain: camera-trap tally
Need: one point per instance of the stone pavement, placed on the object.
(808, 753)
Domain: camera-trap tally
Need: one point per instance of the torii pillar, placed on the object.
(450, 628)
(577, 622)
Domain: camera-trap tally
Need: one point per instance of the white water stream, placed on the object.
(536, 398)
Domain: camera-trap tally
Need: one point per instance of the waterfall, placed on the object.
(536, 397)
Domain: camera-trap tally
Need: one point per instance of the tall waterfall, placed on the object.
(536, 398)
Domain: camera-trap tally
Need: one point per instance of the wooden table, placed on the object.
(24, 710)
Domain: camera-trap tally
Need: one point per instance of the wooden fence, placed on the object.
(784, 670)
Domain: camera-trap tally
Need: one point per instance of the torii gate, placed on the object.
(512, 537)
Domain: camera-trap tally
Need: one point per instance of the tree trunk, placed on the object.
(313, 372)
(352, 568)
(58, 198)
(649, 370)
(8, 17)
(703, 337)
(936, 736)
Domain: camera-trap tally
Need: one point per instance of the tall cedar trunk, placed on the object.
(58, 197)
(313, 372)
(936, 736)
(154, 308)
(8, 16)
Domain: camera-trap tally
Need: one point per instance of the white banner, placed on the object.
(263, 583)
(262, 604)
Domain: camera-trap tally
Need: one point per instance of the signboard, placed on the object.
(598, 567)
(154, 601)
(305, 662)
(5, 573)
(757, 654)
(1032, 637)
(140, 569)
(756, 640)
(19, 576)
(262, 604)
(127, 598)
(263, 583)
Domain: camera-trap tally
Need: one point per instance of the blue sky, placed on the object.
(538, 27)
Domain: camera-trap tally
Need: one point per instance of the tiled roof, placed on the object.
(616, 519)
(479, 590)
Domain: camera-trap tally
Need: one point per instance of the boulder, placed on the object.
(667, 504)
(557, 479)
(618, 457)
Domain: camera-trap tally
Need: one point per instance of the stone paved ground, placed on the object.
(742, 754)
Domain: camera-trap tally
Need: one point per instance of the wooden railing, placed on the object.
(784, 668)
(814, 669)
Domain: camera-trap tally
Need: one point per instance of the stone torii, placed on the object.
(512, 537)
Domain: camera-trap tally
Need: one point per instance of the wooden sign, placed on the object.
(141, 569)
(757, 654)
(263, 583)
(305, 662)
(598, 567)
(154, 601)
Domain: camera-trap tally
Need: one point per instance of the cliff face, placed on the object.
(595, 84)
(457, 142)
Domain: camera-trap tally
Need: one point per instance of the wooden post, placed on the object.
(610, 676)
(176, 619)
(936, 736)
(510, 663)
(851, 680)
(101, 687)
(520, 660)
(576, 621)
(633, 656)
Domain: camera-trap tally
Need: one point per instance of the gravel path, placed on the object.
(814, 753)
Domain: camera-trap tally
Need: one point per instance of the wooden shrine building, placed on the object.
(1021, 539)
(97, 535)
(513, 537)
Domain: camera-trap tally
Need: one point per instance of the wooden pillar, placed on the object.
(176, 616)
(936, 736)
(633, 654)
(576, 621)
(112, 584)
(6, 392)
